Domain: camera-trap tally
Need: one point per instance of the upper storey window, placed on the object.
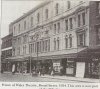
(25, 25)
(98, 7)
(46, 13)
(31, 21)
(57, 8)
(68, 4)
(71, 24)
(14, 30)
(38, 17)
(19, 28)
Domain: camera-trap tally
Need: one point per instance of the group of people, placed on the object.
(41, 71)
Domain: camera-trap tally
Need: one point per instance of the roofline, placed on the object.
(30, 11)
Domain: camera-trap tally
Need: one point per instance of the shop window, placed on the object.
(81, 39)
(70, 66)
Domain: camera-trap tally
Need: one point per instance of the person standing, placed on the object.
(13, 68)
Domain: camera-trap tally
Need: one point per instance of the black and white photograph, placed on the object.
(50, 41)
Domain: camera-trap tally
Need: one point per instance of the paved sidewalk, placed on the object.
(73, 78)
(89, 80)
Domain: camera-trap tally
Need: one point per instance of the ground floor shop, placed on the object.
(84, 64)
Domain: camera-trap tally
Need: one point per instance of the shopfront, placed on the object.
(93, 68)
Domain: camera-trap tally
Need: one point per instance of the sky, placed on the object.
(13, 9)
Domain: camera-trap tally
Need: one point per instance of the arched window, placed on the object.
(66, 41)
(70, 40)
(57, 8)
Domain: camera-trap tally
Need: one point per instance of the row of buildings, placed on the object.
(61, 34)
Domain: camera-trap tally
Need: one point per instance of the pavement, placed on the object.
(73, 78)
(57, 77)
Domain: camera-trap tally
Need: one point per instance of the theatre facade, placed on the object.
(59, 35)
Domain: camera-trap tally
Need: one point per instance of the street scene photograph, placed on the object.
(50, 41)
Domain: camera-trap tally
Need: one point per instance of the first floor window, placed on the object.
(98, 35)
(54, 44)
(81, 39)
(70, 40)
(58, 43)
(66, 41)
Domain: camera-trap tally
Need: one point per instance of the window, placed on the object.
(19, 28)
(58, 43)
(38, 17)
(68, 3)
(30, 48)
(43, 46)
(57, 8)
(83, 18)
(81, 39)
(31, 21)
(66, 23)
(14, 29)
(46, 13)
(18, 50)
(55, 28)
(66, 41)
(98, 7)
(49, 45)
(98, 35)
(79, 21)
(58, 27)
(71, 25)
(70, 40)
(24, 25)
(54, 43)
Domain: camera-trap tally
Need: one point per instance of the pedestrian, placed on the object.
(43, 70)
(52, 72)
(13, 69)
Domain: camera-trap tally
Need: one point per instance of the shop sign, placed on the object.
(56, 64)
(95, 59)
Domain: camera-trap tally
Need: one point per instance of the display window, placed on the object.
(70, 66)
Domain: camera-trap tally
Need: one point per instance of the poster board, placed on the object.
(80, 69)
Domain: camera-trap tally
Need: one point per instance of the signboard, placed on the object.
(80, 69)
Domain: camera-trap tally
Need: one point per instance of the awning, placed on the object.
(63, 56)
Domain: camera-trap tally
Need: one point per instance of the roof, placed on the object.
(31, 11)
